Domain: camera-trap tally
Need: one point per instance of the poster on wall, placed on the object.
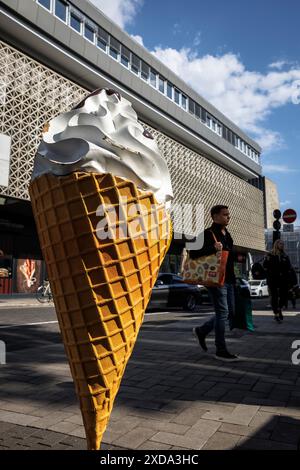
(28, 276)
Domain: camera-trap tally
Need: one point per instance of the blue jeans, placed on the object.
(224, 304)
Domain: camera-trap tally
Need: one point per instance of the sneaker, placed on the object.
(226, 356)
(200, 337)
(277, 318)
(280, 315)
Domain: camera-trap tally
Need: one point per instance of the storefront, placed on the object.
(23, 267)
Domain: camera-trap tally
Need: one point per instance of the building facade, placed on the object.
(52, 53)
(271, 201)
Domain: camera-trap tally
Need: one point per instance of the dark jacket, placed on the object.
(279, 271)
(209, 249)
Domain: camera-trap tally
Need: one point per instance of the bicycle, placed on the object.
(43, 293)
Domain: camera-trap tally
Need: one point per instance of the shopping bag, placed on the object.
(242, 318)
(208, 271)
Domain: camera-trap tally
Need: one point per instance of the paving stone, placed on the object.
(221, 441)
(193, 442)
(135, 438)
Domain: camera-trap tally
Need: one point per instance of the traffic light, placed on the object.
(276, 225)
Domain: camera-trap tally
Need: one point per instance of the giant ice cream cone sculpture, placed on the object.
(98, 194)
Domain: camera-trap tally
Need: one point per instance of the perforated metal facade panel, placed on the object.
(31, 94)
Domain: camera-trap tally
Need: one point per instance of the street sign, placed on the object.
(276, 225)
(276, 214)
(288, 227)
(289, 216)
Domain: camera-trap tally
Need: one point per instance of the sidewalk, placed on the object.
(15, 302)
(172, 396)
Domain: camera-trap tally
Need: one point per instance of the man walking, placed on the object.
(222, 297)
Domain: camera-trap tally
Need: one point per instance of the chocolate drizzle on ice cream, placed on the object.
(102, 134)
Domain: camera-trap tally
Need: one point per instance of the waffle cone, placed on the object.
(101, 287)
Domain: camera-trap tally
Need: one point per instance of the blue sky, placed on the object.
(243, 57)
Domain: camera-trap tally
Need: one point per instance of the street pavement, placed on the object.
(173, 396)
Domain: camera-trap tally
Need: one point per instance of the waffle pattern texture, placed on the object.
(101, 286)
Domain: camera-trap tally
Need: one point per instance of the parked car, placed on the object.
(171, 291)
(259, 288)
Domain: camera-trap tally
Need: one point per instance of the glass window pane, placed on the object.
(135, 63)
(101, 43)
(153, 78)
(114, 48)
(145, 71)
(45, 3)
(197, 111)
(161, 85)
(125, 56)
(75, 22)
(183, 101)
(208, 120)
(170, 90)
(177, 96)
(61, 10)
(191, 106)
(89, 32)
(103, 34)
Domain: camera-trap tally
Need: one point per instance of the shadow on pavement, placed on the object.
(168, 372)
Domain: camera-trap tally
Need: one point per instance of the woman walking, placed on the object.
(278, 270)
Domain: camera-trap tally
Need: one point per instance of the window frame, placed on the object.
(67, 11)
(114, 48)
(73, 14)
(145, 71)
(162, 80)
(124, 56)
(102, 37)
(48, 9)
(176, 91)
(170, 87)
(87, 25)
(154, 73)
(132, 65)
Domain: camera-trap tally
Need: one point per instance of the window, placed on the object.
(219, 129)
(45, 3)
(125, 56)
(75, 22)
(191, 106)
(197, 111)
(169, 90)
(203, 115)
(114, 48)
(61, 10)
(102, 39)
(145, 71)
(135, 63)
(89, 32)
(177, 96)
(161, 84)
(153, 75)
(208, 120)
(214, 126)
(183, 101)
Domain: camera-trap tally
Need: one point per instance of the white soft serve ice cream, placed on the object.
(102, 134)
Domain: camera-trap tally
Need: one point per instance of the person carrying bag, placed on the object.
(220, 281)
